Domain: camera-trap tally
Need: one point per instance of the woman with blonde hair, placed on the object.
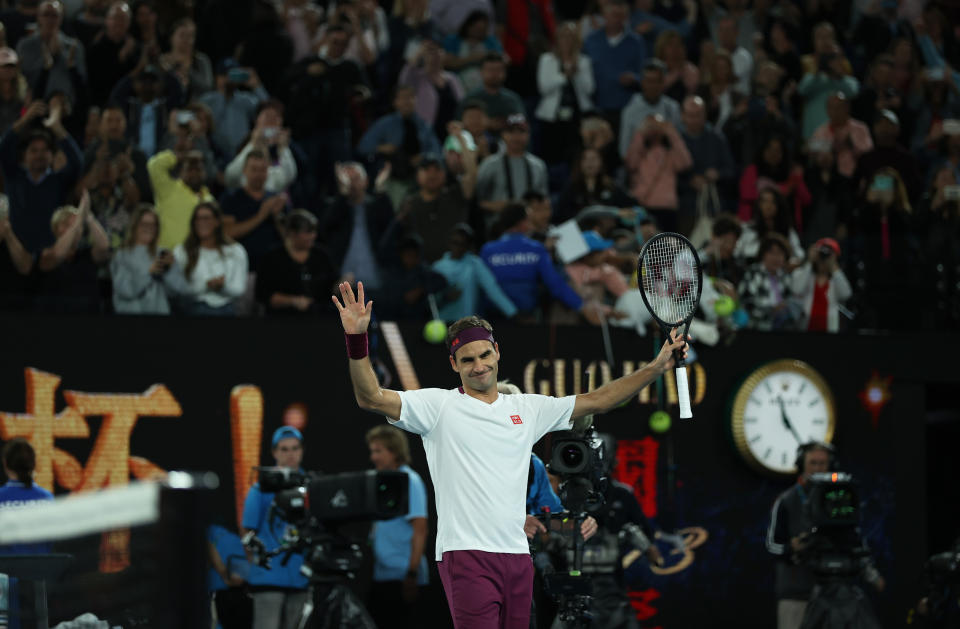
(565, 81)
(718, 91)
(681, 77)
(214, 265)
(144, 278)
(68, 268)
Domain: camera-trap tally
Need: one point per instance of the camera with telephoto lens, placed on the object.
(578, 459)
(316, 504)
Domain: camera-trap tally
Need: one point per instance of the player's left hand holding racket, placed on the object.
(670, 281)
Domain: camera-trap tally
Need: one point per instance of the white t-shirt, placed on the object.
(479, 458)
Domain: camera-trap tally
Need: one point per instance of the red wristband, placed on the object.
(357, 345)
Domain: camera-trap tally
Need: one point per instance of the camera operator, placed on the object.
(540, 493)
(623, 529)
(940, 605)
(280, 591)
(400, 566)
(789, 535)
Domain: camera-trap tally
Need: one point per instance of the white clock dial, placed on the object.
(780, 407)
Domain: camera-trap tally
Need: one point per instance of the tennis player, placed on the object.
(478, 446)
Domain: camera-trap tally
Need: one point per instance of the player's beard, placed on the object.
(484, 382)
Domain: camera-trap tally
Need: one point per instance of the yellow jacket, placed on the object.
(174, 200)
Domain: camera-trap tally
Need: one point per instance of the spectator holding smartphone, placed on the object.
(821, 287)
(273, 140)
(144, 276)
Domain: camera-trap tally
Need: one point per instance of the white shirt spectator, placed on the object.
(551, 81)
(804, 283)
(748, 245)
(230, 262)
(742, 68)
(280, 174)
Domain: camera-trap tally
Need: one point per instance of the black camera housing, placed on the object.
(331, 498)
(833, 500)
(578, 459)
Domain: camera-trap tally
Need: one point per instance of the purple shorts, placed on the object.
(487, 590)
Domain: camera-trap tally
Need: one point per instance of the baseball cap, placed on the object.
(8, 57)
(286, 432)
(430, 159)
(829, 242)
(517, 121)
(227, 64)
(596, 242)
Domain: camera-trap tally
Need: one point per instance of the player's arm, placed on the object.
(355, 317)
(613, 393)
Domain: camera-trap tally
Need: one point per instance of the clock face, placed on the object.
(779, 407)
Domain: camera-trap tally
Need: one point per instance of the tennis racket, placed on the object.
(670, 280)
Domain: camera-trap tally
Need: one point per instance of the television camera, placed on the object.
(314, 506)
(578, 458)
(837, 554)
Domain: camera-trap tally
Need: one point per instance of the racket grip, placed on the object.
(683, 393)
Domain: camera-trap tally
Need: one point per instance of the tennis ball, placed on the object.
(724, 306)
(660, 421)
(435, 331)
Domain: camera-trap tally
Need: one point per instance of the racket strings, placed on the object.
(670, 279)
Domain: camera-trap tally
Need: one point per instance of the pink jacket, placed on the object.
(425, 92)
(653, 171)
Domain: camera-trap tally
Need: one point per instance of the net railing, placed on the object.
(132, 556)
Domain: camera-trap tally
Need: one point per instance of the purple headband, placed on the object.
(468, 336)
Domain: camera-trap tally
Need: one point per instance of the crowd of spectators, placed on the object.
(240, 157)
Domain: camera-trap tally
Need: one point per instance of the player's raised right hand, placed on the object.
(354, 313)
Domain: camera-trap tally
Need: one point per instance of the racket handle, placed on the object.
(683, 393)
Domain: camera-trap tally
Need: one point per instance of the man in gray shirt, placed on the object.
(49, 48)
(505, 177)
(649, 102)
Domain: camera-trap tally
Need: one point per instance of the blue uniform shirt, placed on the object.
(540, 493)
(256, 511)
(15, 494)
(231, 552)
(519, 263)
(392, 538)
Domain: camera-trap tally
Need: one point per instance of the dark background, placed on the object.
(906, 465)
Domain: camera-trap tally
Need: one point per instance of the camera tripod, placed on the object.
(838, 601)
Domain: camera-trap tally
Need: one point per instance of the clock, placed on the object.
(778, 407)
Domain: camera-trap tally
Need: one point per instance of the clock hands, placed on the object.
(786, 421)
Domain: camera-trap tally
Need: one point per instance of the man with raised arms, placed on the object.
(478, 446)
